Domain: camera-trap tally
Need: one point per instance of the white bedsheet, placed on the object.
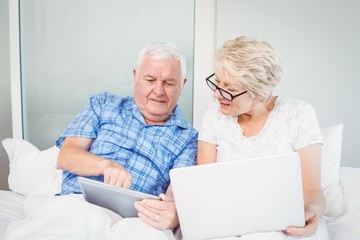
(343, 228)
(57, 216)
(70, 217)
(11, 209)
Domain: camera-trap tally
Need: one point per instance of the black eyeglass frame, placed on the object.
(221, 91)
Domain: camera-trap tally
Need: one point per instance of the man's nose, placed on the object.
(159, 88)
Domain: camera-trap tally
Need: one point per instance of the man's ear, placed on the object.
(134, 74)
(185, 80)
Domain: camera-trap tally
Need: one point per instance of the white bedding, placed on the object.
(70, 217)
(343, 228)
(11, 209)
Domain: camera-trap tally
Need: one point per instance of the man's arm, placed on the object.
(74, 156)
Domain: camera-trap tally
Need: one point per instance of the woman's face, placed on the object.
(241, 104)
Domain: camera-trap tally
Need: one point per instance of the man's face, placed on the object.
(158, 86)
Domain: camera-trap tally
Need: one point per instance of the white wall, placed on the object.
(5, 103)
(319, 44)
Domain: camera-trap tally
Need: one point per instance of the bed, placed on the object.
(11, 209)
(34, 180)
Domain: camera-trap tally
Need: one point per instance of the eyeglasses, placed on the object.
(225, 94)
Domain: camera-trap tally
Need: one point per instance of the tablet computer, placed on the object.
(117, 199)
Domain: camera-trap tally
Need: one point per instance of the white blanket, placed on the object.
(71, 217)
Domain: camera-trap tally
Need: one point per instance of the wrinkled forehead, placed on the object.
(162, 69)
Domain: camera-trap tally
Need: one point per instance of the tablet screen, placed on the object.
(117, 199)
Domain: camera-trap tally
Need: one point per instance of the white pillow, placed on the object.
(330, 177)
(350, 179)
(32, 171)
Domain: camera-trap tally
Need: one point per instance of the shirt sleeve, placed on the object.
(86, 122)
(208, 125)
(308, 129)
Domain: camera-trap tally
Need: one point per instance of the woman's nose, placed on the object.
(217, 94)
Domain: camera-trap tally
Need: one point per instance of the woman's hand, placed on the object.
(310, 228)
(160, 214)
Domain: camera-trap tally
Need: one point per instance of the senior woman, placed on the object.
(247, 120)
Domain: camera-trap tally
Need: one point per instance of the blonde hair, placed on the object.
(254, 64)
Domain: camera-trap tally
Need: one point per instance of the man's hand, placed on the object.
(115, 174)
(160, 214)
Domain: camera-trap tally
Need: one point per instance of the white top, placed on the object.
(291, 125)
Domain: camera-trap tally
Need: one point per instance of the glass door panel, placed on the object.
(73, 49)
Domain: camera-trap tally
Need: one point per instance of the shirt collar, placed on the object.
(175, 118)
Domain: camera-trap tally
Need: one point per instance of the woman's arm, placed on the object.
(314, 200)
(311, 174)
(207, 152)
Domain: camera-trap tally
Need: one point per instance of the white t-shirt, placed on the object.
(291, 125)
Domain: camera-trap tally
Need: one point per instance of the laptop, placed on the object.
(239, 197)
(117, 199)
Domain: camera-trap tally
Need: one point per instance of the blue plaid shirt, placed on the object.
(121, 134)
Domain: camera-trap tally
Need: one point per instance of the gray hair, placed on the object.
(162, 51)
(253, 63)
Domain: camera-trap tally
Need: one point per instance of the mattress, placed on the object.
(11, 208)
